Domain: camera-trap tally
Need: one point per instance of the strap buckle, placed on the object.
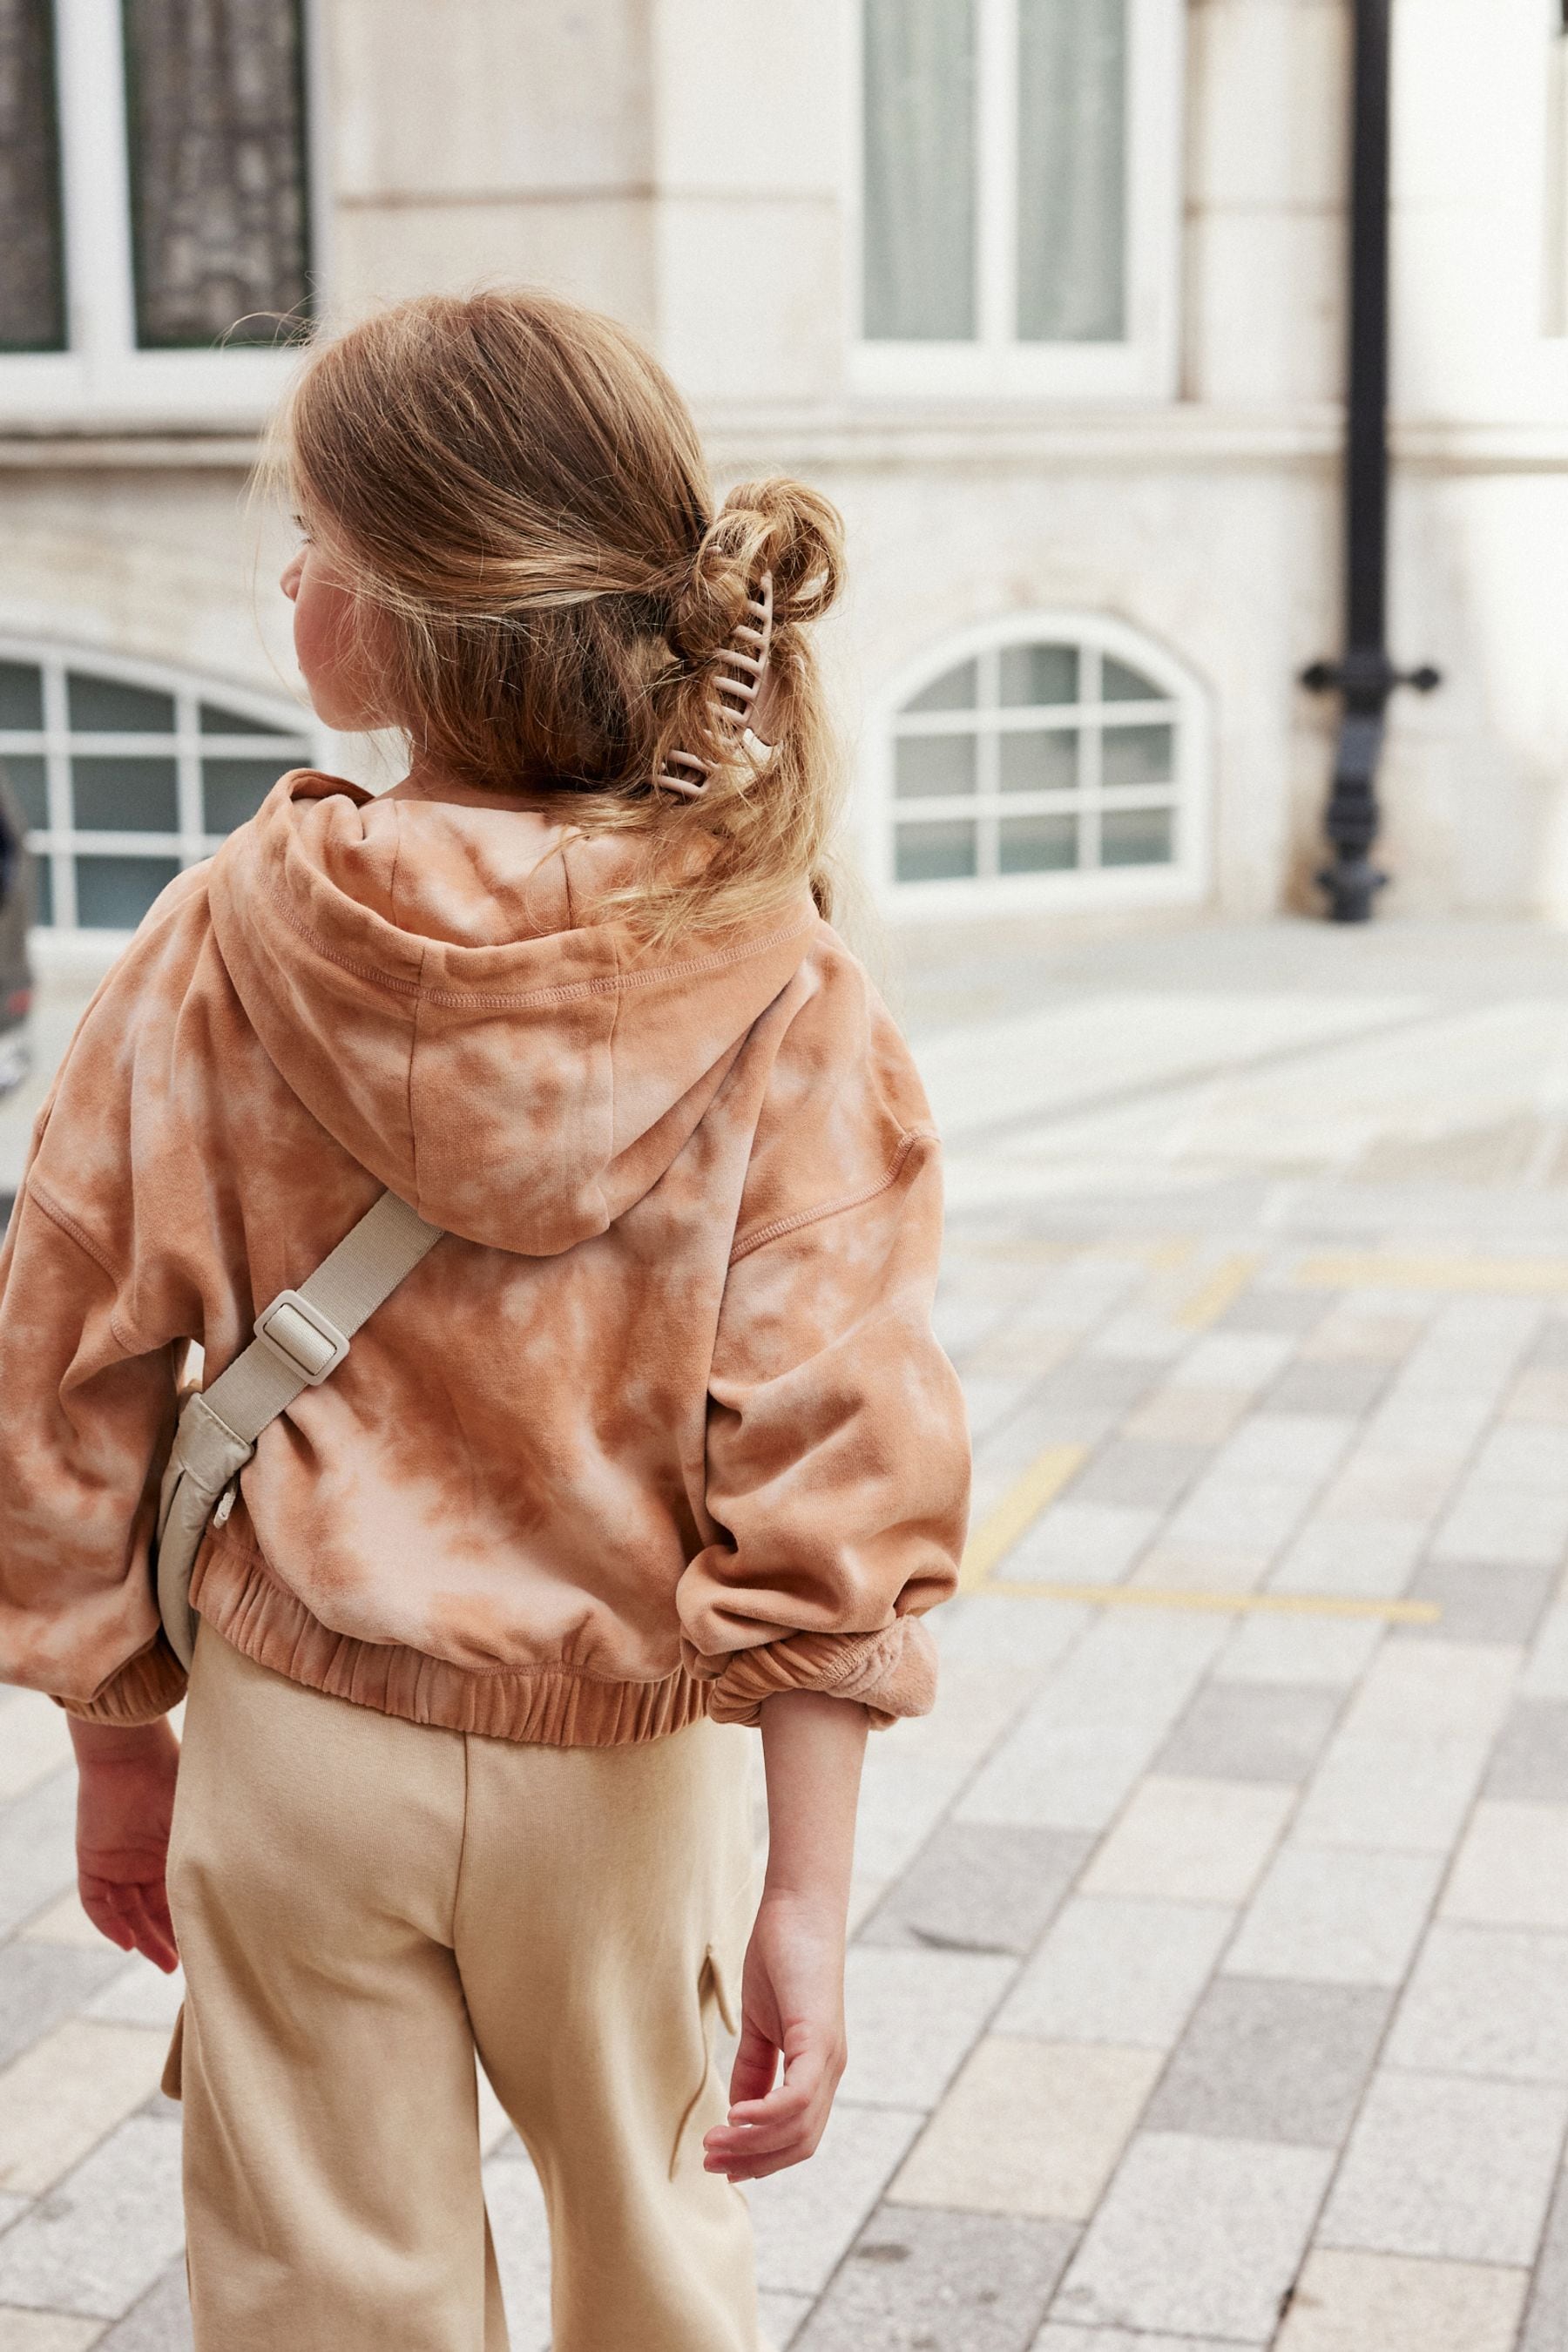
(311, 1346)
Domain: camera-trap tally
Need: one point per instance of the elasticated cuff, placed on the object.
(142, 1690)
(890, 1674)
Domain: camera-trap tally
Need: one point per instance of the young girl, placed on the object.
(654, 1442)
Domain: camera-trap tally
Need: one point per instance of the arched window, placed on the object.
(1051, 756)
(126, 774)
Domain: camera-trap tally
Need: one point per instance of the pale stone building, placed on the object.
(1047, 294)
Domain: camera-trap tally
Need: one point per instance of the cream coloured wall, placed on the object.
(688, 167)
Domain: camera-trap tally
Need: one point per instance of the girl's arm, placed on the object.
(125, 1802)
(792, 1992)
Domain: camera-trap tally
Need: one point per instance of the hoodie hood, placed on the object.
(427, 980)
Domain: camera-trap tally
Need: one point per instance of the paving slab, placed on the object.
(780, 2318)
(1450, 2166)
(1354, 2303)
(1386, 1791)
(980, 1886)
(1511, 1869)
(519, 2231)
(161, 2320)
(1057, 2335)
(1485, 2000)
(47, 2331)
(1029, 2127)
(1358, 1554)
(41, 1985)
(1530, 1761)
(912, 2014)
(65, 2091)
(1333, 1916)
(1250, 1732)
(1268, 2060)
(1199, 1841)
(1119, 1970)
(1332, 1652)
(1546, 2317)
(940, 2282)
(102, 2236)
(1197, 2237)
(1139, 1473)
(1081, 1542)
(37, 1855)
(1481, 1600)
(35, 1740)
(805, 2218)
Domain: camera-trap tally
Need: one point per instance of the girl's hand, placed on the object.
(792, 1990)
(125, 1802)
(792, 2007)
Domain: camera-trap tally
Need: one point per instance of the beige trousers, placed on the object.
(361, 1903)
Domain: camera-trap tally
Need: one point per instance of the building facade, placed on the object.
(1047, 294)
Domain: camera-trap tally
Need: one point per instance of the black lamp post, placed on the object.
(1365, 675)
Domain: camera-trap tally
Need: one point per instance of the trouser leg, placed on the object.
(603, 1898)
(332, 2189)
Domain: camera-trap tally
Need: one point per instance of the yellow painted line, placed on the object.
(1018, 1509)
(1223, 1288)
(1374, 1270)
(1279, 1604)
(1042, 1482)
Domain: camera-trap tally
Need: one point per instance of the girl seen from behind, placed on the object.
(653, 1442)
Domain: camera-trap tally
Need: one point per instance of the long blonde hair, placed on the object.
(516, 490)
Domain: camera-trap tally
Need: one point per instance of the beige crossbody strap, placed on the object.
(303, 1335)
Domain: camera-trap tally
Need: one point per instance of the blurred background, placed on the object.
(1211, 1963)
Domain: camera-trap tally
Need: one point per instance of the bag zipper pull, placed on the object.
(226, 1503)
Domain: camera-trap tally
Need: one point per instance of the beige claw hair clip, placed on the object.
(741, 695)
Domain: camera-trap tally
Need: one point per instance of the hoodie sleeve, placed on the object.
(87, 1419)
(838, 1466)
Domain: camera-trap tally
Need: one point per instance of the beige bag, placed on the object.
(300, 1340)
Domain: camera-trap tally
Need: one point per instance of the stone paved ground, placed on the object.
(1210, 1981)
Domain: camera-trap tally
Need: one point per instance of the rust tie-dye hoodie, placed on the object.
(659, 1428)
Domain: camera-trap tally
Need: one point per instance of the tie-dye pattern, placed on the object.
(659, 1428)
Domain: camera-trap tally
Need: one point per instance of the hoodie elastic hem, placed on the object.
(550, 1708)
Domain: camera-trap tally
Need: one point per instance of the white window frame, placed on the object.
(1183, 882)
(61, 842)
(1142, 367)
(1554, 303)
(102, 376)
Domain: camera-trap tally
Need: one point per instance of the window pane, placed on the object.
(21, 689)
(233, 790)
(1138, 755)
(32, 264)
(1137, 837)
(217, 123)
(1040, 763)
(1034, 676)
(1072, 171)
(113, 894)
(29, 787)
(1120, 683)
(106, 706)
(955, 690)
(43, 891)
(941, 852)
(215, 721)
(117, 795)
(919, 100)
(930, 764)
(1036, 845)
